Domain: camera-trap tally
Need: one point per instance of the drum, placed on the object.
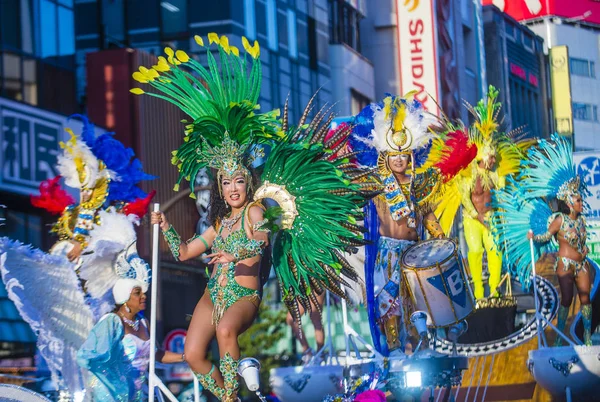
(437, 282)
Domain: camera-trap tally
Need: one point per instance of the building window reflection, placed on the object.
(344, 24)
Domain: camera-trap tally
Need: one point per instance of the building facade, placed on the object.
(517, 66)
(294, 36)
(575, 25)
(37, 93)
(433, 47)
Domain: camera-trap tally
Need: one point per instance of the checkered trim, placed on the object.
(547, 307)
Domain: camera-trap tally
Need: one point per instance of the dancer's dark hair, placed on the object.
(563, 207)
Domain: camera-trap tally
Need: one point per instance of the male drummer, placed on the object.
(476, 199)
(402, 212)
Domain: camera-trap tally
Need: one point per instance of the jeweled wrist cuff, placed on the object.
(173, 240)
(543, 238)
(433, 227)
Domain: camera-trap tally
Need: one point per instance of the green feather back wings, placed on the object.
(219, 98)
(329, 193)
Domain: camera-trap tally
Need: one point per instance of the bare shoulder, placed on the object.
(256, 212)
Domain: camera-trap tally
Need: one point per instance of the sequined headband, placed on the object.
(569, 189)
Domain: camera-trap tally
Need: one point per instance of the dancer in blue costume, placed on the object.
(548, 177)
(117, 351)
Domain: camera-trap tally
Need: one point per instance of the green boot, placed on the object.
(586, 314)
(563, 313)
(229, 370)
(210, 384)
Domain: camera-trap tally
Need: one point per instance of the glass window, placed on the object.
(9, 24)
(250, 18)
(113, 20)
(292, 34)
(358, 101)
(583, 111)
(48, 37)
(344, 24)
(528, 42)
(26, 27)
(11, 76)
(272, 38)
(511, 31)
(261, 19)
(582, 67)
(66, 31)
(29, 81)
(174, 17)
(143, 14)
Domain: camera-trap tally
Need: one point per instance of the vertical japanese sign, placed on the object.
(561, 90)
(417, 51)
(30, 143)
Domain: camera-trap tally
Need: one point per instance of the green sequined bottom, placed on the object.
(223, 296)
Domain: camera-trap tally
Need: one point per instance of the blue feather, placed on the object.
(119, 159)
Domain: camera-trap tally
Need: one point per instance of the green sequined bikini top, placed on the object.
(237, 243)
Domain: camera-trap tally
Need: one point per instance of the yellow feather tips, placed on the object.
(169, 52)
(224, 43)
(395, 110)
(139, 77)
(213, 38)
(182, 56)
(254, 50)
(199, 40)
(137, 91)
(145, 75)
(162, 65)
(235, 51)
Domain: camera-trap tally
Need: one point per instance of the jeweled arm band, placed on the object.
(173, 240)
(543, 238)
(433, 227)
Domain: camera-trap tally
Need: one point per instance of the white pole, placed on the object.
(535, 294)
(329, 334)
(153, 303)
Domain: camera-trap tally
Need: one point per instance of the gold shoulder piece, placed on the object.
(426, 186)
(99, 194)
(66, 223)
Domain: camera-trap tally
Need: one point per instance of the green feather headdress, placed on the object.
(221, 100)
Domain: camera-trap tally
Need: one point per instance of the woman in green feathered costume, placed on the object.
(319, 199)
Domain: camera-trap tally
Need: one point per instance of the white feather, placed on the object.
(47, 293)
(114, 233)
(417, 121)
(67, 168)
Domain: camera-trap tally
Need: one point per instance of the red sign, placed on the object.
(174, 340)
(533, 80)
(581, 10)
(518, 71)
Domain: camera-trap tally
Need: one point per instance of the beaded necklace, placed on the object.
(133, 324)
(229, 222)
